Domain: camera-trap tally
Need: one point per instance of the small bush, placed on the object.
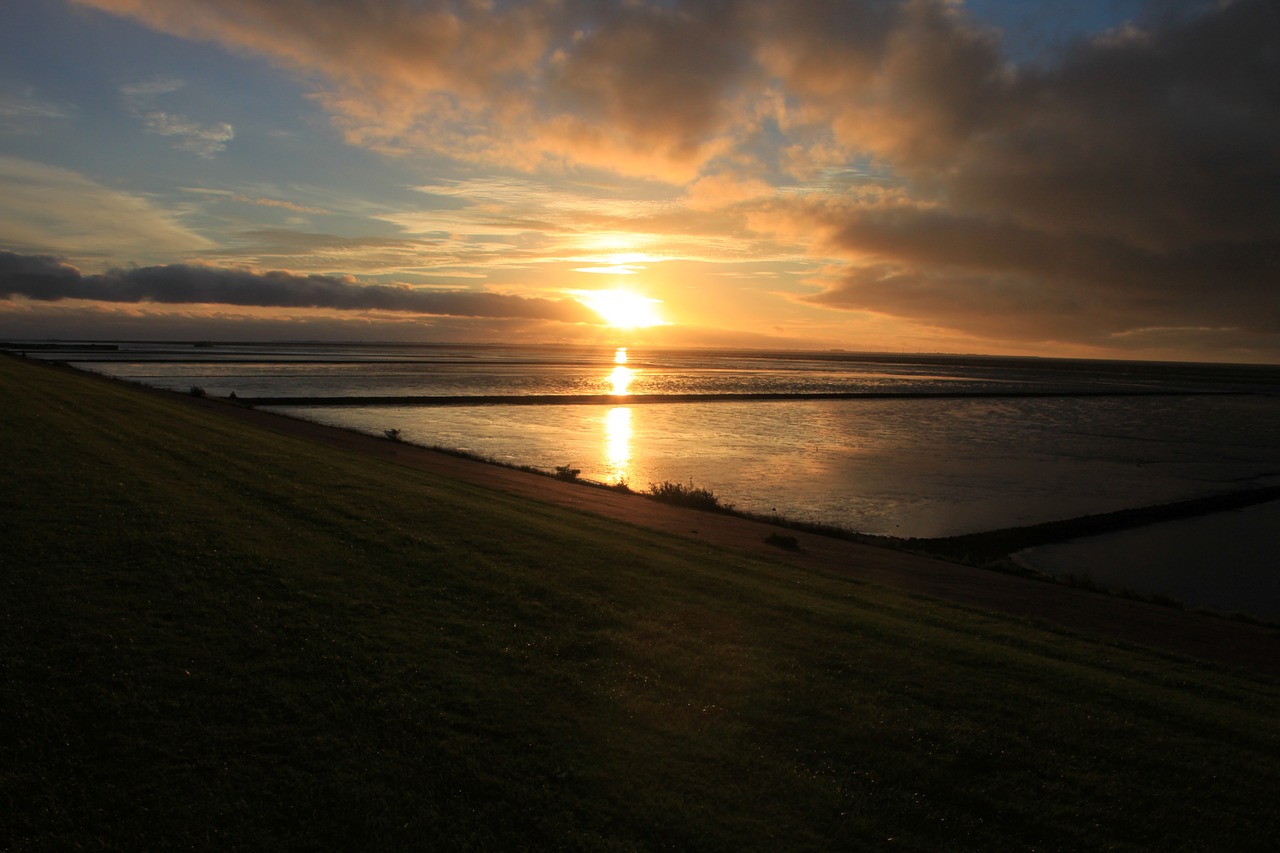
(196, 391)
(393, 435)
(690, 496)
(783, 541)
(567, 473)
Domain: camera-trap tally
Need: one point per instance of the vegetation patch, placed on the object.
(694, 497)
(567, 472)
(783, 541)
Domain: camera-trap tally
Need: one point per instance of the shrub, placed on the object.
(690, 496)
(393, 435)
(567, 473)
(783, 541)
(196, 391)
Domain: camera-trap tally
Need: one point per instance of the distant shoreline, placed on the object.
(642, 399)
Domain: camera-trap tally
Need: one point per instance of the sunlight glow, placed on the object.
(620, 308)
(610, 260)
(630, 258)
(620, 379)
(617, 435)
(618, 269)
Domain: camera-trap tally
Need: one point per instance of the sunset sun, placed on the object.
(622, 309)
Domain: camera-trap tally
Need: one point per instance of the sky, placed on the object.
(1089, 179)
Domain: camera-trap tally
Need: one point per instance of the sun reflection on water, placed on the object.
(620, 379)
(621, 376)
(617, 421)
(617, 443)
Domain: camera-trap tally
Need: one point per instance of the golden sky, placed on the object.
(928, 175)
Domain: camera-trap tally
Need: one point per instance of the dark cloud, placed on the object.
(1134, 184)
(1155, 138)
(985, 276)
(908, 81)
(47, 279)
(659, 75)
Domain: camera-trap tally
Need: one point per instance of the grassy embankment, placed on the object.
(216, 638)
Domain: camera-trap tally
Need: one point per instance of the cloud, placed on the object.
(643, 89)
(46, 279)
(1156, 141)
(1011, 281)
(49, 209)
(258, 200)
(1132, 182)
(76, 320)
(720, 190)
(199, 139)
(1135, 183)
(303, 251)
(23, 112)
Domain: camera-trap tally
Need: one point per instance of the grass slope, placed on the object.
(215, 638)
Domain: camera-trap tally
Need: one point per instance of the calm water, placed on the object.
(1184, 560)
(928, 466)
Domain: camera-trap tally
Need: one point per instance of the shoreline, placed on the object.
(642, 399)
(996, 550)
(1201, 635)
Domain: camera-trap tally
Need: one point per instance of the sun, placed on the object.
(622, 309)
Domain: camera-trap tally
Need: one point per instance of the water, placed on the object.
(903, 467)
(924, 465)
(1226, 561)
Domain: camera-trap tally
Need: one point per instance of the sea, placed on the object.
(907, 445)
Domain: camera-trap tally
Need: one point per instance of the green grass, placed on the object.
(219, 639)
